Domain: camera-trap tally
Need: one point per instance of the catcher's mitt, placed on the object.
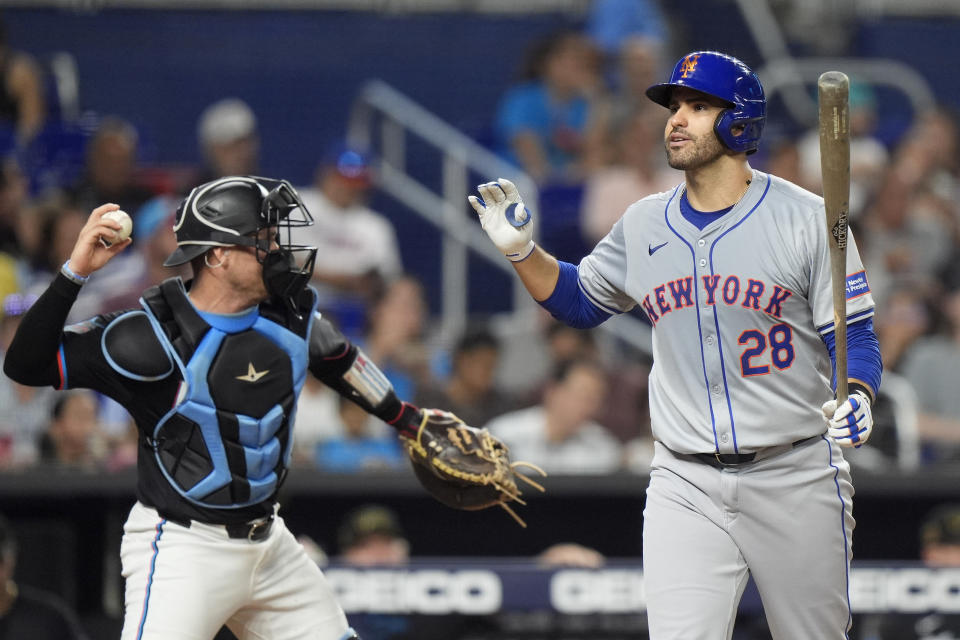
(464, 467)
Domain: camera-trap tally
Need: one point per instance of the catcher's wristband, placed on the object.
(68, 273)
(407, 421)
(522, 254)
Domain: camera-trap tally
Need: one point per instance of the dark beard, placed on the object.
(706, 150)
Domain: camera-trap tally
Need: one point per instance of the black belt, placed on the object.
(254, 531)
(724, 460)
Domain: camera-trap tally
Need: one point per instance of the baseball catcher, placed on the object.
(211, 370)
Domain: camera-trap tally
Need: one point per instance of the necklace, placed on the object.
(742, 193)
(746, 188)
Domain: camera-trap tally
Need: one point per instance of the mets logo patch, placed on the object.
(857, 285)
(689, 65)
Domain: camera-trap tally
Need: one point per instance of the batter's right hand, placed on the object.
(89, 253)
(504, 218)
(850, 423)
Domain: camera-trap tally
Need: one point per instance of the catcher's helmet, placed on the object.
(231, 211)
(724, 77)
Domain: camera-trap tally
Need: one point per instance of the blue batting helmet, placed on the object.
(724, 77)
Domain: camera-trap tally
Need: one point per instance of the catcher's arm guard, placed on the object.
(464, 467)
(343, 367)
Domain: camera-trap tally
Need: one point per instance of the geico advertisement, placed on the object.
(429, 591)
(905, 590)
(581, 591)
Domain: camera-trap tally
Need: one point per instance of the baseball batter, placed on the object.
(732, 270)
(211, 370)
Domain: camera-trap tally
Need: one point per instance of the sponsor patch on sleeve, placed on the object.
(84, 326)
(857, 285)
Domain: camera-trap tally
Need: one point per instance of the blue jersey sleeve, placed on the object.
(569, 304)
(863, 354)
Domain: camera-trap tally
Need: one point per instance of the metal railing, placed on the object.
(789, 75)
(384, 119)
(793, 77)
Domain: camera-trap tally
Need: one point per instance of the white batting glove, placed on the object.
(504, 218)
(851, 423)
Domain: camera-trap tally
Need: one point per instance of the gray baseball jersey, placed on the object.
(738, 310)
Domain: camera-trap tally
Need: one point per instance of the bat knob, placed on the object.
(835, 80)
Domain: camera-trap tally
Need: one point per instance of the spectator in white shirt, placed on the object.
(358, 253)
(560, 435)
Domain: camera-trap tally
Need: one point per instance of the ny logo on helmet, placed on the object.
(688, 66)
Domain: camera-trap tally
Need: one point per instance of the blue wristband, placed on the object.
(71, 276)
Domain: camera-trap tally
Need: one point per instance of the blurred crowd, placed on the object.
(573, 401)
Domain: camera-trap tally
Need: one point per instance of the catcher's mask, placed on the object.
(234, 211)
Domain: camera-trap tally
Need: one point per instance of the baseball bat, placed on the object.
(833, 89)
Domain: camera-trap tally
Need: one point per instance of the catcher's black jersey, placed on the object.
(137, 362)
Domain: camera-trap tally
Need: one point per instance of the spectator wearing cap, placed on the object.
(228, 140)
(24, 411)
(357, 247)
(371, 535)
(27, 612)
(940, 537)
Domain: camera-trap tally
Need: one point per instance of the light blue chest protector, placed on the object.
(226, 443)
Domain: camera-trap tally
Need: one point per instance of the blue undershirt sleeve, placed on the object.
(569, 304)
(863, 354)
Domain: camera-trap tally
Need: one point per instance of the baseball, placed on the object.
(126, 224)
